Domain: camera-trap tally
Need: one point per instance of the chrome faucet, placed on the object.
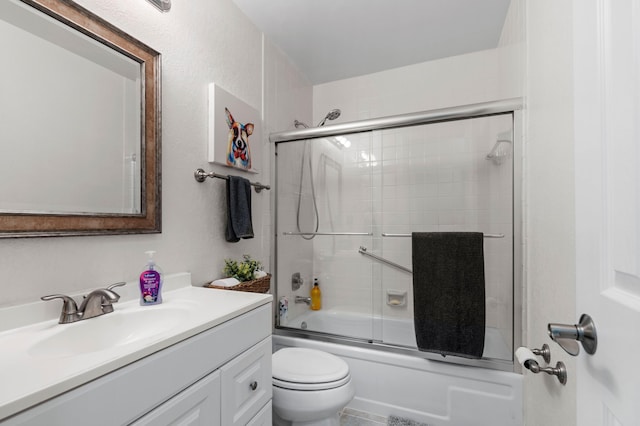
(94, 304)
(301, 299)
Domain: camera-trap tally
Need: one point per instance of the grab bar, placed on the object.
(366, 234)
(384, 234)
(363, 250)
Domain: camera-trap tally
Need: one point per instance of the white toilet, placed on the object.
(310, 387)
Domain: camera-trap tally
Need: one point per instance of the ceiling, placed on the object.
(331, 40)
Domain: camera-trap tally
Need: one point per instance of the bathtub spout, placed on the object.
(300, 299)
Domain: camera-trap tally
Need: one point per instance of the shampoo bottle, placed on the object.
(150, 282)
(316, 296)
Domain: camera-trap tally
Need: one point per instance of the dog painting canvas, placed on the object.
(238, 149)
(234, 131)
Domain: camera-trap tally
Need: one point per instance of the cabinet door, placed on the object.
(199, 404)
(247, 384)
(263, 418)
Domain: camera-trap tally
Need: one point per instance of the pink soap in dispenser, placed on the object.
(151, 282)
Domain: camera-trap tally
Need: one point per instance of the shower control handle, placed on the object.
(296, 281)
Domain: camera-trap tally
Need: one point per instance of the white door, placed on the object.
(607, 169)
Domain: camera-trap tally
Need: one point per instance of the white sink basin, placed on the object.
(111, 330)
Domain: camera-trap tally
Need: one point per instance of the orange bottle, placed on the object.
(316, 296)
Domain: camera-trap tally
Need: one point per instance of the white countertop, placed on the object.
(30, 375)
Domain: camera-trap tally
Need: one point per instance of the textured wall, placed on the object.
(201, 41)
(550, 218)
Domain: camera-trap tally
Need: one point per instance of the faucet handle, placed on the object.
(69, 308)
(107, 306)
(118, 284)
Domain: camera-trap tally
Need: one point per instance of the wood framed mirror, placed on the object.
(80, 140)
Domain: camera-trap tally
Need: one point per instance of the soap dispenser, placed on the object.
(151, 282)
(316, 296)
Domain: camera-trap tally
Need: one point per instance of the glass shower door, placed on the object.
(346, 207)
(439, 177)
(324, 215)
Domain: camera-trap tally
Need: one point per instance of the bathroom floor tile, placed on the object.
(351, 417)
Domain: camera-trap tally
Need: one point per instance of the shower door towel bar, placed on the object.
(384, 234)
(201, 176)
(363, 250)
(330, 233)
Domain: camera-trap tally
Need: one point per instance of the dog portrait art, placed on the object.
(238, 148)
(235, 133)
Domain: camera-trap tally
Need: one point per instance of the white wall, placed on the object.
(459, 80)
(549, 178)
(288, 98)
(201, 41)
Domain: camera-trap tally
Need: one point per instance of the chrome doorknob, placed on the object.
(568, 336)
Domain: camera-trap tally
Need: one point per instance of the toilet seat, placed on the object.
(310, 386)
(308, 369)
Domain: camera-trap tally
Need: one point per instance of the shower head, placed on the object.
(501, 150)
(331, 115)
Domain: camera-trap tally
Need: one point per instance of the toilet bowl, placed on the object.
(310, 387)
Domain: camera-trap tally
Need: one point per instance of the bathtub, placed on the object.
(402, 384)
(349, 322)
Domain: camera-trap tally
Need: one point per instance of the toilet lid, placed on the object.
(308, 366)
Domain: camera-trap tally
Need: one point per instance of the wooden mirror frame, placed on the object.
(14, 225)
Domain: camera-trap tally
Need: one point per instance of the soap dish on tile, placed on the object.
(396, 298)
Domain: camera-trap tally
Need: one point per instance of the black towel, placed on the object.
(238, 209)
(449, 293)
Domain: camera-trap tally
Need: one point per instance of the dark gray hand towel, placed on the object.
(238, 209)
(449, 292)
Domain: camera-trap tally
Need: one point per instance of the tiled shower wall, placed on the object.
(437, 178)
(425, 178)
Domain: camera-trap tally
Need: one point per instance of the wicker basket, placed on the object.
(259, 285)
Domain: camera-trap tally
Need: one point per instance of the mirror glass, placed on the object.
(79, 124)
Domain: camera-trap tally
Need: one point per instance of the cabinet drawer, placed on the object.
(199, 404)
(247, 384)
(263, 418)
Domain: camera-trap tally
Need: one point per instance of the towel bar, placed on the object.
(329, 233)
(200, 175)
(384, 234)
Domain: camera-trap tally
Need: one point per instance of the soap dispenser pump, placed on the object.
(316, 296)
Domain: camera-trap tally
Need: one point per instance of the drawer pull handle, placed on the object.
(253, 385)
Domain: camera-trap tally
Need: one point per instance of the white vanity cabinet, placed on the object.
(199, 404)
(221, 376)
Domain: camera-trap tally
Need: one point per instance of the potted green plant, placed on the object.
(242, 271)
